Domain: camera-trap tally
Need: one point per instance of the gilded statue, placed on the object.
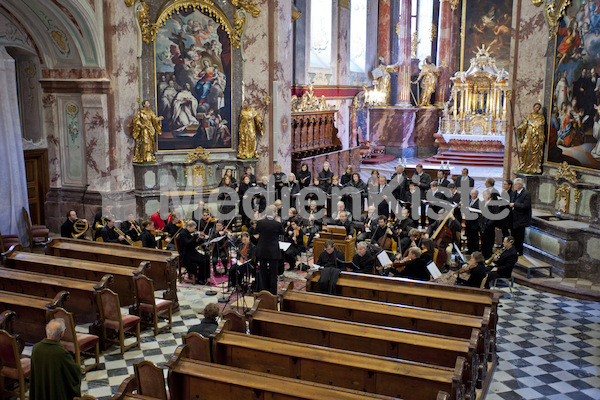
(382, 80)
(144, 127)
(251, 125)
(532, 138)
(428, 76)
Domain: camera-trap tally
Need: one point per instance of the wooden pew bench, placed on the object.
(458, 299)
(70, 268)
(371, 339)
(163, 264)
(391, 315)
(82, 300)
(31, 311)
(364, 372)
(189, 379)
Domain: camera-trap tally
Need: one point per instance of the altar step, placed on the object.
(467, 158)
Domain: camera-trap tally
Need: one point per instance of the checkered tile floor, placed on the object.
(548, 347)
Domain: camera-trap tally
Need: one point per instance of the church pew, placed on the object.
(364, 372)
(70, 268)
(371, 339)
(435, 296)
(82, 293)
(391, 315)
(190, 379)
(31, 311)
(163, 264)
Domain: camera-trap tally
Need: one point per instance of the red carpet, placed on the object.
(467, 158)
(378, 159)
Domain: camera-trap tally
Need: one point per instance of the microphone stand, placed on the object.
(87, 185)
(211, 292)
(224, 299)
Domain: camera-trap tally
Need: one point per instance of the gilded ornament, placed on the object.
(565, 171)
(129, 3)
(554, 10)
(251, 125)
(199, 153)
(143, 16)
(198, 171)
(251, 7)
(59, 39)
(537, 3)
(453, 3)
(344, 4)
(414, 44)
(310, 102)
(144, 128)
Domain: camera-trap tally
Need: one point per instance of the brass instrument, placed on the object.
(80, 227)
(100, 225)
(496, 253)
(135, 226)
(127, 238)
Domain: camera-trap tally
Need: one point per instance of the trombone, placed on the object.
(127, 238)
(80, 227)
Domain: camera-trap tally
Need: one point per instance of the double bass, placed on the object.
(442, 237)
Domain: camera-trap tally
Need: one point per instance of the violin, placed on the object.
(244, 252)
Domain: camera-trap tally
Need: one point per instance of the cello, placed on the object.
(385, 242)
(442, 237)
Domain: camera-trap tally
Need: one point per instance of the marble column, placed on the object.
(384, 31)
(404, 57)
(444, 51)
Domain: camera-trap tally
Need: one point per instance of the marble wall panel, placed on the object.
(51, 126)
(283, 77)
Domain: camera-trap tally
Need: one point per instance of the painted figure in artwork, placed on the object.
(428, 75)
(251, 125)
(144, 127)
(532, 137)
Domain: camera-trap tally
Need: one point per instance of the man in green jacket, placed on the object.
(54, 373)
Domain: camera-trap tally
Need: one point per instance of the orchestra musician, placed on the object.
(455, 199)
(476, 268)
(292, 216)
(422, 182)
(452, 223)
(295, 236)
(267, 250)
(344, 221)
(100, 221)
(220, 249)
(314, 224)
(158, 222)
(415, 267)
(427, 250)
(197, 213)
(196, 264)
(363, 259)
(329, 256)
(174, 226)
(147, 238)
(252, 232)
(404, 225)
(131, 228)
(413, 240)
(108, 233)
(503, 263)
(488, 226)
(67, 229)
(472, 226)
(206, 224)
(382, 229)
(246, 253)
(369, 224)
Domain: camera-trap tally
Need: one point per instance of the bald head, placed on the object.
(55, 329)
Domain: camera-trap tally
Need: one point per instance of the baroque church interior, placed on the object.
(158, 150)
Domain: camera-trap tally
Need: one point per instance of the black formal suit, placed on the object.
(330, 260)
(443, 182)
(365, 263)
(468, 180)
(521, 217)
(473, 227)
(369, 225)
(348, 225)
(268, 253)
(296, 247)
(110, 236)
(506, 223)
(455, 199)
(130, 230)
(400, 185)
(423, 182)
(477, 275)
(67, 229)
(406, 225)
(505, 264)
(488, 232)
(147, 239)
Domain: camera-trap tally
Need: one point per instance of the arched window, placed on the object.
(422, 21)
(320, 33)
(358, 35)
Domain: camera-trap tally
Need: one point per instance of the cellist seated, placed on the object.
(383, 235)
(411, 267)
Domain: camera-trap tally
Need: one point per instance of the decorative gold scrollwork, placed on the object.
(565, 171)
(310, 102)
(198, 171)
(554, 11)
(251, 7)
(199, 153)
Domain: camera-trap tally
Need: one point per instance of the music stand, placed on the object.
(347, 265)
(243, 269)
(212, 292)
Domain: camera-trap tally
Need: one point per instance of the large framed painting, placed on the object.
(485, 23)
(193, 60)
(574, 126)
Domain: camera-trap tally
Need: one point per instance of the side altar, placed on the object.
(474, 119)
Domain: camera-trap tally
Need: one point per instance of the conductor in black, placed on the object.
(267, 250)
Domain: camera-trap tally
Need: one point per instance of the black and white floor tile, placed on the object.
(548, 347)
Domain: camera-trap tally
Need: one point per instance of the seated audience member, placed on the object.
(363, 259)
(504, 263)
(148, 240)
(108, 233)
(344, 221)
(329, 256)
(209, 323)
(54, 373)
(415, 268)
(477, 271)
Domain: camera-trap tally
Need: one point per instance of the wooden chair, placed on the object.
(199, 346)
(8, 240)
(13, 366)
(38, 234)
(111, 318)
(75, 342)
(150, 380)
(145, 302)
